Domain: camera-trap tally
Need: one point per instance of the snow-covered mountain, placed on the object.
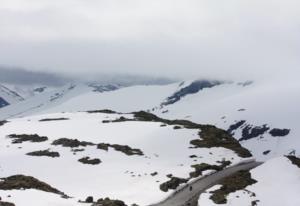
(14, 93)
(45, 99)
(8, 96)
(138, 158)
(260, 115)
(264, 112)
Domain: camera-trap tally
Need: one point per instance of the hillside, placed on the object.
(261, 116)
(8, 96)
(277, 184)
(137, 158)
(242, 108)
(44, 100)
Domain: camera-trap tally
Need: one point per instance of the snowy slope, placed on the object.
(14, 93)
(8, 96)
(45, 100)
(278, 184)
(132, 178)
(270, 103)
(273, 103)
(128, 99)
(251, 109)
(28, 91)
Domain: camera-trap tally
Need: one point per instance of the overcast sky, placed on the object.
(176, 38)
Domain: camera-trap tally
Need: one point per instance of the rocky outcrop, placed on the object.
(20, 138)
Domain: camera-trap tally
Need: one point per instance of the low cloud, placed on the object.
(24, 77)
(231, 39)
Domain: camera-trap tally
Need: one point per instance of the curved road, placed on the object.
(189, 194)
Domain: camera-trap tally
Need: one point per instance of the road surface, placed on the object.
(189, 194)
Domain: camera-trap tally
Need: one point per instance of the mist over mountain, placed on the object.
(26, 77)
(21, 76)
(149, 103)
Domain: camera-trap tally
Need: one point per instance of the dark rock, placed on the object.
(3, 103)
(109, 202)
(127, 150)
(176, 127)
(154, 174)
(77, 150)
(235, 126)
(199, 168)
(65, 142)
(106, 111)
(295, 160)
(250, 132)
(53, 119)
(103, 146)
(214, 137)
(235, 182)
(20, 138)
(193, 88)
(89, 199)
(254, 202)
(103, 88)
(6, 203)
(87, 160)
(44, 153)
(40, 89)
(173, 183)
(266, 152)
(3, 122)
(20, 182)
(121, 148)
(279, 132)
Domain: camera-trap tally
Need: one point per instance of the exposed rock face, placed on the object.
(173, 183)
(199, 168)
(233, 183)
(235, 126)
(249, 132)
(266, 152)
(46, 153)
(105, 111)
(65, 142)
(279, 132)
(103, 88)
(295, 160)
(109, 202)
(89, 199)
(19, 182)
(193, 88)
(53, 119)
(3, 103)
(214, 137)
(6, 203)
(3, 122)
(88, 160)
(20, 138)
(121, 148)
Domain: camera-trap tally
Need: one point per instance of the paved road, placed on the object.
(189, 194)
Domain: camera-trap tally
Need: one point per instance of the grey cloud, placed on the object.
(182, 39)
(25, 77)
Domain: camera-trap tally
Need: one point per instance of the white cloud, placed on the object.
(202, 37)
